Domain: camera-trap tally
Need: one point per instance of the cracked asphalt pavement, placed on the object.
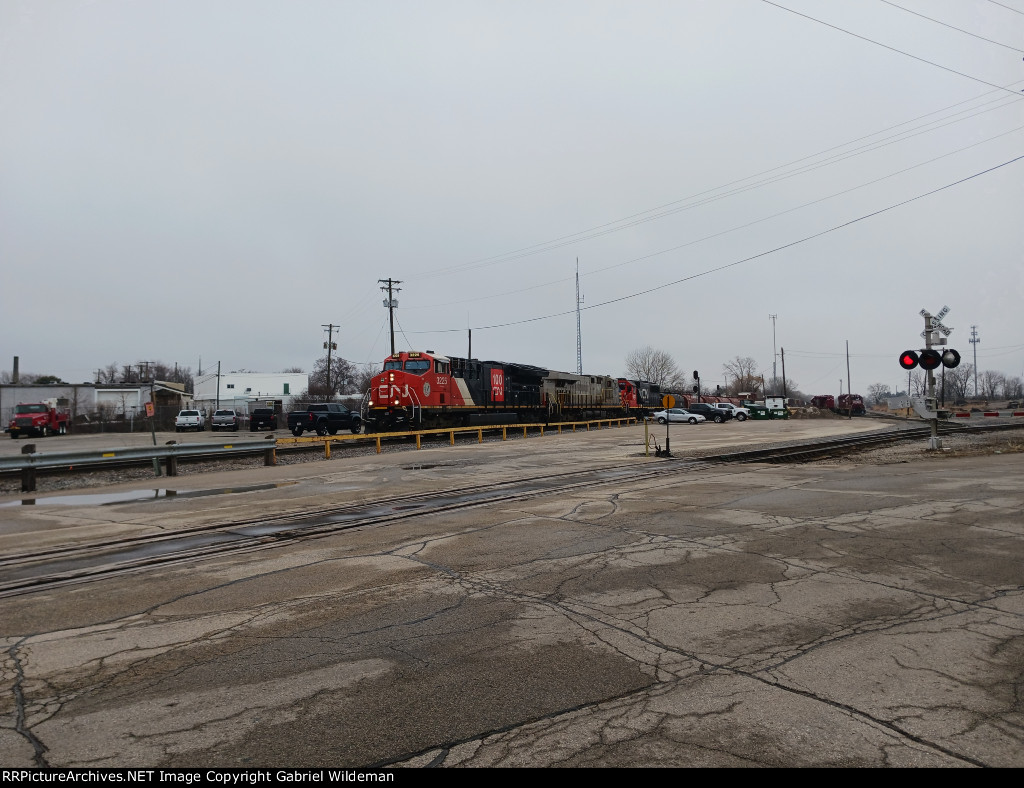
(829, 614)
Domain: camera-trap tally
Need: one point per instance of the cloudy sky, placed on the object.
(194, 182)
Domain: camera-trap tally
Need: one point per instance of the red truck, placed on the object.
(38, 418)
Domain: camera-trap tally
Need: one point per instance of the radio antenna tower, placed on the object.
(579, 335)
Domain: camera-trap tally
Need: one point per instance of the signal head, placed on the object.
(930, 359)
(950, 359)
(908, 359)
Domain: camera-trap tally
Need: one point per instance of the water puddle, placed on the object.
(134, 496)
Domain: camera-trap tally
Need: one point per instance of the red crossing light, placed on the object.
(908, 360)
(930, 359)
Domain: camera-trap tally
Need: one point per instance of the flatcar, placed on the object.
(425, 390)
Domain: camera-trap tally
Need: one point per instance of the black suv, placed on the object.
(262, 417)
(710, 412)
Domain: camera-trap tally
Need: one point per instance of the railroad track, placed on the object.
(55, 567)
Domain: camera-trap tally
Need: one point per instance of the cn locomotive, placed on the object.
(425, 390)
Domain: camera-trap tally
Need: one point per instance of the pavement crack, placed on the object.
(20, 723)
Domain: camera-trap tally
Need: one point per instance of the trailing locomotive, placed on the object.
(426, 390)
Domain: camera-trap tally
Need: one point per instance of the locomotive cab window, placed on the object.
(392, 365)
(417, 367)
(441, 367)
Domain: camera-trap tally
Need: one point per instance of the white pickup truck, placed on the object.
(740, 414)
(190, 420)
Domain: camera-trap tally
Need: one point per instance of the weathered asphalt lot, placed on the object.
(797, 615)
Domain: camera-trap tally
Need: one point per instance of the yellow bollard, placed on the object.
(417, 440)
(504, 433)
(378, 444)
(524, 432)
(559, 429)
(542, 430)
(327, 449)
(453, 437)
(479, 436)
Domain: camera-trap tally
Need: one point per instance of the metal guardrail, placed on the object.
(28, 464)
(376, 437)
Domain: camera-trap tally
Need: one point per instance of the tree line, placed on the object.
(743, 376)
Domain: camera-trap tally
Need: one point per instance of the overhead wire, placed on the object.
(951, 27)
(789, 245)
(1008, 8)
(886, 46)
(735, 228)
(666, 209)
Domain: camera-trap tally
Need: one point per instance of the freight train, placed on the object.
(844, 403)
(426, 390)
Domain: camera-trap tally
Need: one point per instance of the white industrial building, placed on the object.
(242, 391)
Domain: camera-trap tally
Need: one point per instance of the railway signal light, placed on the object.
(930, 359)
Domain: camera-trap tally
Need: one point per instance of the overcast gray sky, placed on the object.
(215, 180)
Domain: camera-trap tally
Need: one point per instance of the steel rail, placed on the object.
(55, 567)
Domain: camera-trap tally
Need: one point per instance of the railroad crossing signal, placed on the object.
(929, 359)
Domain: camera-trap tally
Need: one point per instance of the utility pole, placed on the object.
(849, 388)
(218, 387)
(579, 334)
(775, 377)
(974, 340)
(330, 345)
(782, 351)
(390, 303)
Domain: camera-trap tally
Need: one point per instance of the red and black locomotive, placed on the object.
(426, 390)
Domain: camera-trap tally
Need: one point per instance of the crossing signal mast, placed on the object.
(930, 359)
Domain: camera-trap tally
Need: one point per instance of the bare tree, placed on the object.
(742, 371)
(364, 376)
(878, 392)
(1013, 388)
(295, 370)
(990, 383)
(324, 387)
(958, 382)
(654, 366)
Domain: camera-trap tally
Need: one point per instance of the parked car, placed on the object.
(262, 417)
(224, 420)
(189, 420)
(677, 414)
(324, 418)
(710, 412)
(739, 413)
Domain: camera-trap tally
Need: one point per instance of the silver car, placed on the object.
(677, 414)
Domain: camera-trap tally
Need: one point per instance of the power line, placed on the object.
(1008, 8)
(739, 262)
(951, 27)
(506, 293)
(667, 209)
(893, 49)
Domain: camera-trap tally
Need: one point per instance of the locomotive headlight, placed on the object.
(391, 377)
(371, 403)
(396, 401)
